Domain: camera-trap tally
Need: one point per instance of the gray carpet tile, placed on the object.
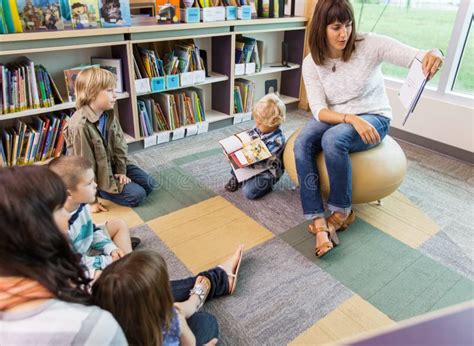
(279, 295)
(448, 201)
(442, 249)
(150, 241)
(278, 211)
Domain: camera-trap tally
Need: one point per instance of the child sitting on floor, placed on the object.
(94, 132)
(92, 241)
(268, 113)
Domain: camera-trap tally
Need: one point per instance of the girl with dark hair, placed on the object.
(43, 288)
(346, 94)
(137, 291)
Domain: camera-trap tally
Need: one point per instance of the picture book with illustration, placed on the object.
(84, 14)
(115, 13)
(40, 15)
(243, 150)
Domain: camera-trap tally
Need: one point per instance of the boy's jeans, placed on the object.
(336, 142)
(135, 192)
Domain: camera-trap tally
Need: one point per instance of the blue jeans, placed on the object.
(203, 325)
(336, 142)
(135, 192)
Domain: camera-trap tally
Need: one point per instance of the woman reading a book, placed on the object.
(346, 94)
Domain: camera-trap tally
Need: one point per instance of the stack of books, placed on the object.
(25, 85)
(248, 50)
(169, 111)
(244, 95)
(37, 140)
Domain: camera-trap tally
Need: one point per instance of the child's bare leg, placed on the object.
(118, 231)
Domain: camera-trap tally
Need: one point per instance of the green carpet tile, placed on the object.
(197, 156)
(397, 279)
(176, 191)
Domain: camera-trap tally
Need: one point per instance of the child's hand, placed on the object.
(122, 178)
(96, 276)
(98, 207)
(117, 254)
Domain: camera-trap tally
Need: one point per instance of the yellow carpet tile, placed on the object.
(205, 234)
(117, 212)
(351, 318)
(400, 218)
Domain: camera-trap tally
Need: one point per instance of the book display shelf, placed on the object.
(59, 51)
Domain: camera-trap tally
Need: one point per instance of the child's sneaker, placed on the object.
(232, 185)
(135, 242)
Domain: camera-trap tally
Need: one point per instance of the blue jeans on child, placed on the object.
(135, 192)
(203, 325)
(336, 142)
(259, 185)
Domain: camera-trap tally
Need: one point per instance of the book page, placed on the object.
(414, 84)
(247, 136)
(255, 151)
(231, 144)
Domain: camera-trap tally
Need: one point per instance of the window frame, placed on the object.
(452, 61)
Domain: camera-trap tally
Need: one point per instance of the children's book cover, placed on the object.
(40, 15)
(168, 10)
(115, 13)
(85, 14)
(70, 76)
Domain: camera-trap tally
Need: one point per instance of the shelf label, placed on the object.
(199, 76)
(203, 127)
(187, 78)
(238, 118)
(178, 133)
(150, 141)
(163, 137)
(142, 85)
(191, 130)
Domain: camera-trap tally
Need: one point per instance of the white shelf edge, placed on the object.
(55, 108)
(266, 69)
(288, 99)
(214, 78)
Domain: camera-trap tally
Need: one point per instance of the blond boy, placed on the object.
(94, 132)
(99, 245)
(269, 113)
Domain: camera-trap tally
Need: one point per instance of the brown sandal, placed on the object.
(339, 223)
(329, 245)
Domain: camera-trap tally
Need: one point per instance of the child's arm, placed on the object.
(101, 241)
(186, 337)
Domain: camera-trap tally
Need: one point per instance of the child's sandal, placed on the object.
(201, 288)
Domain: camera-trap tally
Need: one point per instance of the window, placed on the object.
(423, 24)
(464, 82)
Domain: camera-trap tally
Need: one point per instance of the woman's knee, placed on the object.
(338, 138)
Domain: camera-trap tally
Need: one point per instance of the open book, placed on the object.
(411, 90)
(244, 149)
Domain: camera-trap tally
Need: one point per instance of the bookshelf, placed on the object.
(61, 50)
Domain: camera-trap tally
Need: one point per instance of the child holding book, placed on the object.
(99, 245)
(269, 113)
(94, 132)
(152, 318)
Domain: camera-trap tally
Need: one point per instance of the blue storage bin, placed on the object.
(244, 12)
(157, 84)
(191, 15)
(172, 81)
(231, 12)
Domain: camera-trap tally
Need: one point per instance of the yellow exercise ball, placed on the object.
(376, 173)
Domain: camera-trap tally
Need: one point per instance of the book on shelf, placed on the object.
(11, 16)
(84, 14)
(412, 88)
(70, 76)
(25, 85)
(40, 15)
(37, 139)
(168, 10)
(115, 13)
(114, 66)
(3, 23)
(244, 94)
(247, 50)
(242, 151)
(169, 111)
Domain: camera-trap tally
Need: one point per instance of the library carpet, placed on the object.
(395, 261)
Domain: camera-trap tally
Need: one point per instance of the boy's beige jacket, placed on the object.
(83, 138)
